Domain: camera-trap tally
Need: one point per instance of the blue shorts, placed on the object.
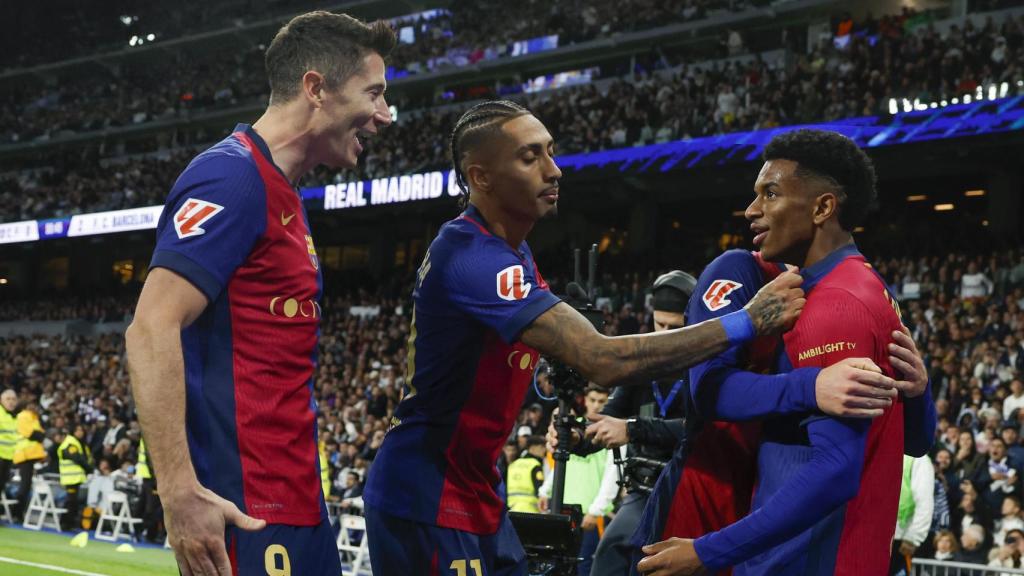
(280, 550)
(399, 546)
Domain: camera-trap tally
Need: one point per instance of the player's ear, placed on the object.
(478, 176)
(313, 87)
(825, 206)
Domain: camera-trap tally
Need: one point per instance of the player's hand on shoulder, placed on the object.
(672, 557)
(195, 519)
(905, 358)
(854, 388)
(777, 305)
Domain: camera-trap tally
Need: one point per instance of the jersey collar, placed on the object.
(814, 273)
(261, 144)
(473, 214)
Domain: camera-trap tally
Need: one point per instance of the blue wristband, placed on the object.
(739, 328)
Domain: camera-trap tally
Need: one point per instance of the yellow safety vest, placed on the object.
(25, 449)
(8, 434)
(71, 473)
(524, 475)
(142, 466)
(325, 472)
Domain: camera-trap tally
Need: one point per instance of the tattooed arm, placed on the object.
(563, 333)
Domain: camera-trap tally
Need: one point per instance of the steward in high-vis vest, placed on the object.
(76, 463)
(152, 510)
(525, 477)
(325, 471)
(8, 435)
(28, 451)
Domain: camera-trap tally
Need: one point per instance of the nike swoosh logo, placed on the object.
(284, 220)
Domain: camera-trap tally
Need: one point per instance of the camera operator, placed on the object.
(649, 419)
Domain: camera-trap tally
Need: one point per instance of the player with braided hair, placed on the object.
(482, 317)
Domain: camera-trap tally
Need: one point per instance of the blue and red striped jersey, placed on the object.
(468, 375)
(828, 488)
(234, 226)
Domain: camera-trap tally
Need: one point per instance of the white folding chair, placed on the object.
(353, 528)
(43, 507)
(5, 508)
(117, 512)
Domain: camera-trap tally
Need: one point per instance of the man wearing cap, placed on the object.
(647, 419)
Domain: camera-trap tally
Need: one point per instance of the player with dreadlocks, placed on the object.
(482, 315)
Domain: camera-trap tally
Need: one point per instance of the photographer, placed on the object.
(649, 419)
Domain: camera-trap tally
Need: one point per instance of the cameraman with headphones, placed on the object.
(649, 419)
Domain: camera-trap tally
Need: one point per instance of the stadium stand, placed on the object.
(685, 101)
(963, 295)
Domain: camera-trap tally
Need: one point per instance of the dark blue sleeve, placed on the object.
(919, 423)
(828, 480)
(719, 388)
(213, 217)
(492, 283)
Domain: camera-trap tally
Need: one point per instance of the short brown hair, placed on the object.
(332, 44)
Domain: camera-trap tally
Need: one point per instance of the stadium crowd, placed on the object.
(685, 101)
(186, 82)
(965, 311)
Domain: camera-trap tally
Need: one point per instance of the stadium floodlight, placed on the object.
(967, 98)
(133, 40)
(955, 101)
(944, 207)
(3, 280)
(125, 19)
(933, 105)
(858, 229)
(974, 193)
(150, 37)
(917, 197)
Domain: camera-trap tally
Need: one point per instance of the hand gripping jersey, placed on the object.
(709, 483)
(787, 400)
(474, 294)
(235, 228)
(828, 488)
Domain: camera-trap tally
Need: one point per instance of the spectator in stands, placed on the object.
(1011, 437)
(1010, 520)
(975, 284)
(973, 540)
(1001, 476)
(969, 461)
(1015, 401)
(947, 549)
(1008, 555)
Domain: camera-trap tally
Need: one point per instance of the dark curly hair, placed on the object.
(836, 159)
(474, 127)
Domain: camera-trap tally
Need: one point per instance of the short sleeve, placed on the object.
(212, 219)
(494, 285)
(725, 286)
